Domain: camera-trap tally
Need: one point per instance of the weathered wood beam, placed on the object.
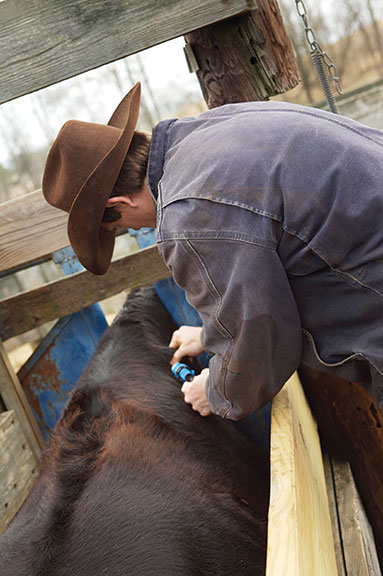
(351, 426)
(299, 538)
(29, 229)
(14, 398)
(334, 515)
(42, 43)
(18, 467)
(356, 535)
(246, 58)
(56, 299)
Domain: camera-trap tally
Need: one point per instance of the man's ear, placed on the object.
(128, 200)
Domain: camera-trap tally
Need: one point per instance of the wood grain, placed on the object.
(357, 539)
(29, 229)
(56, 299)
(299, 530)
(333, 508)
(17, 467)
(14, 398)
(42, 43)
(246, 58)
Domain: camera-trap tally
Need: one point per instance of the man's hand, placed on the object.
(187, 340)
(195, 393)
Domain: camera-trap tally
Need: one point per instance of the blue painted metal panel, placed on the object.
(53, 370)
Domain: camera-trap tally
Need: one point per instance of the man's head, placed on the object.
(130, 187)
(80, 175)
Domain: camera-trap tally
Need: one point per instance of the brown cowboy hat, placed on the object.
(80, 173)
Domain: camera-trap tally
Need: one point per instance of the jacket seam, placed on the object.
(353, 356)
(233, 237)
(332, 268)
(224, 331)
(334, 121)
(211, 287)
(227, 203)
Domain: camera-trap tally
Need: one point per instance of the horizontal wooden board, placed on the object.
(18, 467)
(56, 299)
(29, 229)
(299, 528)
(42, 43)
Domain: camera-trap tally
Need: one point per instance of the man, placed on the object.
(269, 215)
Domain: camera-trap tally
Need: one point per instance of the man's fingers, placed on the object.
(197, 400)
(175, 340)
(178, 355)
(185, 389)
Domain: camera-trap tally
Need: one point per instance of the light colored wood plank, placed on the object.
(56, 299)
(17, 467)
(14, 398)
(357, 539)
(44, 42)
(334, 515)
(29, 229)
(299, 530)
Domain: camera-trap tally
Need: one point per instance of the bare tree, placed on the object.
(298, 40)
(376, 33)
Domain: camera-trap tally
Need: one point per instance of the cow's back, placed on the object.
(133, 481)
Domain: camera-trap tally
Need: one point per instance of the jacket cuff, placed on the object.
(218, 404)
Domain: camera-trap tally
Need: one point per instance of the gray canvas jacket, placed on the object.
(270, 217)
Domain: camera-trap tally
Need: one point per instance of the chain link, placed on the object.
(316, 47)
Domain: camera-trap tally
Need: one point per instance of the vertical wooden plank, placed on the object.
(333, 508)
(357, 538)
(299, 532)
(14, 399)
(17, 467)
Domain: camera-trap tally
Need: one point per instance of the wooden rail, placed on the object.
(42, 43)
(56, 299)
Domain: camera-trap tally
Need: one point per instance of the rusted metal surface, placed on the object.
(53, 370)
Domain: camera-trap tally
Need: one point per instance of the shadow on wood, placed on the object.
(351, 426)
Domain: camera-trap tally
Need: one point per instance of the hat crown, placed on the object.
(75, 154)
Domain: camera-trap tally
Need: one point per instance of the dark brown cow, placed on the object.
(133, 482)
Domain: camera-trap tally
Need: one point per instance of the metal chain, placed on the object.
(320, 58)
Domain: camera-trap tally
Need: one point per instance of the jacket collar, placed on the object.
(157, 155)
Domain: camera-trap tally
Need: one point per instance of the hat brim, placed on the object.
(92, 244)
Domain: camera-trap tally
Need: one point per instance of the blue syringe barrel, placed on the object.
(183, 372)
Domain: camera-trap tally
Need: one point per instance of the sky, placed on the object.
(167, 82)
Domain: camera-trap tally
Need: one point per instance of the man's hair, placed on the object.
(132, 175)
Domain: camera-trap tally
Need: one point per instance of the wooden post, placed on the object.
(351, 425)
(246, 58)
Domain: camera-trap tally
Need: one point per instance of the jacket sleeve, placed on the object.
(251, 324)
